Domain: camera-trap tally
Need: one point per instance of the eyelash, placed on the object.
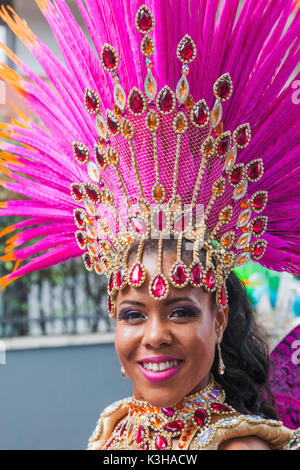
(128, 315)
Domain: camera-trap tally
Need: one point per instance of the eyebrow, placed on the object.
(169, 302)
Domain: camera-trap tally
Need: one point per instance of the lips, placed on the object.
(159, 369)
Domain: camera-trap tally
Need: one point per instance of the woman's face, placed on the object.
(177, 335)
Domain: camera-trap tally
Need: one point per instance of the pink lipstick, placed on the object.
(159, 375)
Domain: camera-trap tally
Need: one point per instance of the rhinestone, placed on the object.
(216, 114)
(136, 274)
(242, 259)
(201, 417)
(144, 20)
(158, 287)
(178, 274)
(200, 114)
(165, 100)
(196, 274)
(92, 101)
(93, 171)
(174, 426)
(161, 443)
(159, 220)
(81, 152)
(210, 280)
(182, 89)
(223, 87)
(109, 58)
(139, 225)
(243, 218)
(186, 49)
(119, 96)
(150, 86)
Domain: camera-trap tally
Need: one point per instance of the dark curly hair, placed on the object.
(244, 348)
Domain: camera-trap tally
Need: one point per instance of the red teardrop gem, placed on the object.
(140, 435)
(186, 49)
(200, 113)
(92, 193)
(242, 136)
(120, 276)
(201, 417)
(258, 226)
(210, 279)
(165, 101)
(223, 89)
(259, 201)
(144, 20)
(174, 426)
(100, 157)
(136, 274)
(223, 145)
(91, 101)
(110, 305)
(81, 153)
(136, 102)
(88, 260)
(109, 58)
(158, 287)
(220, 407)
(112, 124)
(161, 443)
(81, 239)
(223, 296)
(179, 274)
(196, 274)
(259, 249)
(236, 175)
(254, 170)
(111, 282)
(77, 192)
(79, 216)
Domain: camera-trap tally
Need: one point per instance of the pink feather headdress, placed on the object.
(182, 121)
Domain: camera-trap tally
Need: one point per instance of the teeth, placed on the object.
(154, 366)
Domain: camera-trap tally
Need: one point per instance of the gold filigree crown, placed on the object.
(172, 173)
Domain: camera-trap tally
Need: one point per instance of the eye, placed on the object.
(130, 315)
(184, 313)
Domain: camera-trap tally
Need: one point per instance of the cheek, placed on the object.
(201, 342)
(125, 341)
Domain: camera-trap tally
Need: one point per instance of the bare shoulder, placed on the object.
(245, 443)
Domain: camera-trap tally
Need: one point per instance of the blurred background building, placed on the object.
(59, 368)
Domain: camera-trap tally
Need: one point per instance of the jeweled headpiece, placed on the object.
(156, 160)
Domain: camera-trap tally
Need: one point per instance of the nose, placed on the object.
(156, 332)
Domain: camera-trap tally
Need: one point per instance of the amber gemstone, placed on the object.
(219, 186)
(219, 407)
(244, 204)
(196, 274)
(219, 129)
(165, 101)
(201, 417)
(158, 193)
(161, 443)
(144, 20)
(186, 49)
(140, 435)
(200, 114)
(113, 124)
(225, 214)
(136, 274)
(210, 279)
(152, 121)
(109, 58)
(158, 287)
(223, 145)
(147, 46)
(189, 102)
(236, 175)
(179, 274)
(120, 276)
(180, 123)
(136, 102)
(208, 146)
(91, 101)
(174, 426)
(255, 170)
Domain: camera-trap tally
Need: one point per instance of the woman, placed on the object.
(171, 189)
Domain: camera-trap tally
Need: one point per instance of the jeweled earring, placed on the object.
(221, 366)
(123, 372)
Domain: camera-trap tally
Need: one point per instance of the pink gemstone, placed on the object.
(200, 113)
(196, 274)
(92, 193)
(159, 220)
(255, 170)
(179, 274)
(139, 225)
(120, 276)
(181, 223)
(223, 89)
(91, 100)
(186, 51)
(223, 145)
(161, 443)
(144, 20)
(140, 435)
(158, 287)
(259, 201)
(109, 58)
(112, 124)
(220, 407)
(166, 101)
(201, 417)
(111, 282)
(242, 136)
(236, 175)
(100, 158)
(258, 226)
(210, 279)
(136, 102)
(168, 411)
(174, 426)
(136, 274)
(259, 249)
(223, 296)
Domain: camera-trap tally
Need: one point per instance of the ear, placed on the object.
(221, 321)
